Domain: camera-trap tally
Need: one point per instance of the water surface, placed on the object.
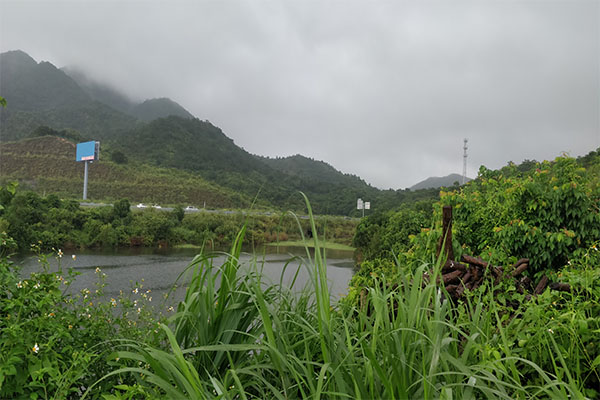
(159, 270)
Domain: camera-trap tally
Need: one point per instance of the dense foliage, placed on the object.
(51, 340)
(29, 218)
(549, 215)
(548, 212)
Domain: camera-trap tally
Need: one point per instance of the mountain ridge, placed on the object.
(39, 93)
(179, 142)
(438, 181)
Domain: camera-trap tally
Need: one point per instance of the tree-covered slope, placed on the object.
(310, 169)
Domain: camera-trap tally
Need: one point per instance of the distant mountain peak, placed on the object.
(159, 108)
(19, 55)
(436, 182)
(31, 86)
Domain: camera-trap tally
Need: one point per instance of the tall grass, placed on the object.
(234, 336)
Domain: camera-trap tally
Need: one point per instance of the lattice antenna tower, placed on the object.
(464, 174)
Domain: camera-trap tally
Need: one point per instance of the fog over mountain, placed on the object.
(385, 91)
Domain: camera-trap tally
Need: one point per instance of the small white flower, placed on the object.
(60, 253)
(135, 290)
(35, 348)
(74, 257)
(98, 269)
(139, 310)
(550, 330)
(20, 285)
(113, 302)
(36, 286)
(170, 308)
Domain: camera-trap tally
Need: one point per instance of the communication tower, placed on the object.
(464, 174)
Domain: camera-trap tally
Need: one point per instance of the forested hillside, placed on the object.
(47, 165)
(43, 100)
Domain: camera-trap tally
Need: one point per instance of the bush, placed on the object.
(548, 216)
(52, 345)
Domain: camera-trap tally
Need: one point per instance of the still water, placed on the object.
(160, 270)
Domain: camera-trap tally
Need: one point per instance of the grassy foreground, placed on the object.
(233, 337)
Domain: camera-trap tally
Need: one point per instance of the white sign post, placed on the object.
(363, 205)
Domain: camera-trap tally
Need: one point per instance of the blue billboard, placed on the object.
(87, 151)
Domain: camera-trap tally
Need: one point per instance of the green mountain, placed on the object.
(310, 169)
(200, 147)
(43, 100)
(437, 182)
(41, 94)
(159, 108)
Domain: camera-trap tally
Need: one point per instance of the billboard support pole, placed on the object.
(85, 179)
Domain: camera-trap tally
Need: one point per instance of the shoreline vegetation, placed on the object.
(310, 244)
(53, 223)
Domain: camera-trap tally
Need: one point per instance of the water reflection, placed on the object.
(158, 270)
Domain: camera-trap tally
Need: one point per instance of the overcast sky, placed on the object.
(384, 90)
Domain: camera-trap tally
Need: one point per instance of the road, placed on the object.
(195, 210)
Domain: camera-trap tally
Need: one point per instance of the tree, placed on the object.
(122, 208)
(118, 157)
(179, 213)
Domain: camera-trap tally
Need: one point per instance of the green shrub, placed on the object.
(52, 344)
(548, 215)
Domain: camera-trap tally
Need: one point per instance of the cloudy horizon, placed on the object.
(385, 91)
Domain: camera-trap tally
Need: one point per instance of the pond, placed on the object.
(158, 270)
